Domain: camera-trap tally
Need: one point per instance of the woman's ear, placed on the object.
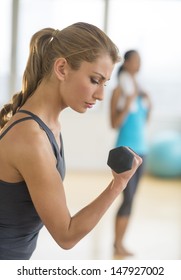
(61, 68)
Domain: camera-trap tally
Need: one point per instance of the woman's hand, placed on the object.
(121, 179)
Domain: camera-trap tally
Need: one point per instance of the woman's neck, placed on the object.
(46, 103)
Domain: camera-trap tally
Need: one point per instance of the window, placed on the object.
(5, 49)
(153, 28)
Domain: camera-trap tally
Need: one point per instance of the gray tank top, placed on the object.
(19, 221)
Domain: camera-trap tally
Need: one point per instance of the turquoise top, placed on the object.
(132, 131)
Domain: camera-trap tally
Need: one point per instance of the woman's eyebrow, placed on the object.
(102, 77)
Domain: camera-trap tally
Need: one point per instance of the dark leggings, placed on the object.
(129, 192)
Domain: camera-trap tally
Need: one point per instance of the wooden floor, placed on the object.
(154, 231)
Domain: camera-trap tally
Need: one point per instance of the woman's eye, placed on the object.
(94, 81)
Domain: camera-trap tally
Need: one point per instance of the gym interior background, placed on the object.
(152, 27)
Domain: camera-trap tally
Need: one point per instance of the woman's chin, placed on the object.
(79, 110)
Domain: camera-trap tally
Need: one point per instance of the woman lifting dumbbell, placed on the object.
(66, 68)
(130, 109)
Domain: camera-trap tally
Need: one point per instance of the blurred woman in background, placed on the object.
(130, 109)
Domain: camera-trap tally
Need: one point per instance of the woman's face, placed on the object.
(83, 87)
(133, 63)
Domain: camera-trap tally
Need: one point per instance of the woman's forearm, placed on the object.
(87, 218)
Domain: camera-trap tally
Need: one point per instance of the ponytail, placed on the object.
(10, 109)
(32, 76)
(120, 69)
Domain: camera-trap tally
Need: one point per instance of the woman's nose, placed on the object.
(99, 93)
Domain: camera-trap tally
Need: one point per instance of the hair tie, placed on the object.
(55, 33)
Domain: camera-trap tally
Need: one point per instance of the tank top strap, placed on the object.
(14, 123)
(41, 124)
(37, 119)
(47, 130)
(59, 154)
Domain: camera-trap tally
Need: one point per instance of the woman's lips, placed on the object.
(89, 105)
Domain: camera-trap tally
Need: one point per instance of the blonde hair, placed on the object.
(77, 43)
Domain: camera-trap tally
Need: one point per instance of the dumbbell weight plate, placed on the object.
(120, 159)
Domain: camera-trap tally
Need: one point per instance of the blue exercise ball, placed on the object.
(164, 157)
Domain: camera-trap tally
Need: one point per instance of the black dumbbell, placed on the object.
(120, 159)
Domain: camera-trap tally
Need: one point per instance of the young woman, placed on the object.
(130, 108)
(66, 68)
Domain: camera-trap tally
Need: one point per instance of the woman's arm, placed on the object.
(117, 115)
(35, 161)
